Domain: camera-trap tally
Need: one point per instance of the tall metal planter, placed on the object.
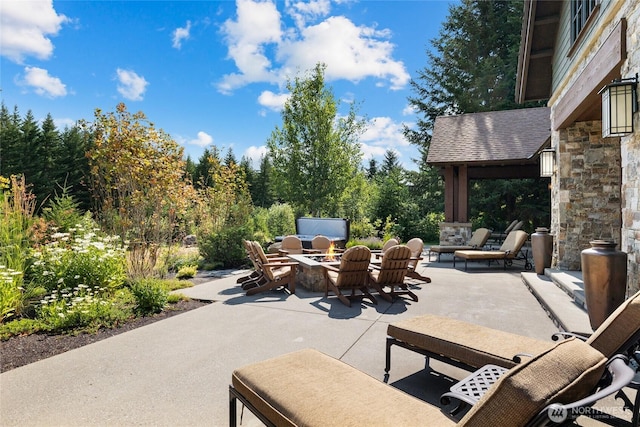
(604, 273)
(542, 248)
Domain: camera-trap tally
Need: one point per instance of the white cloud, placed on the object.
(65, 123)
(351, 52)
(257, 25)
(255, 154)
(273, 101)
(131, 85)
(409, 110)
(302, 11)
(181, 34)
(25, 27)
(42, 83)
(203, 140)
(383, 134)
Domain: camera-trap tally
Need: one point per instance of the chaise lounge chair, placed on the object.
(352, 274)
(500, 236)
(470, 346)
(508, 252)
(309, 388)
(478, 240)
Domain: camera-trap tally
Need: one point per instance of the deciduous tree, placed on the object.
(316, 152)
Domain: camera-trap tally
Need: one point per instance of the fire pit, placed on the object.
(310, 274)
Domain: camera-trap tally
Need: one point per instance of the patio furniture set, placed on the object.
(512, 242)
(516, 380)
(356, 270)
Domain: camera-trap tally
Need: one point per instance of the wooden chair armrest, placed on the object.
(331, 267)
(280, 264)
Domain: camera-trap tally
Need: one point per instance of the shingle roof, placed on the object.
(493, 137)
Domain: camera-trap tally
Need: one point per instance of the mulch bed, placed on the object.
(22, 350)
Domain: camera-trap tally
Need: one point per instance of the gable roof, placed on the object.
(491, 138)
(540, 22)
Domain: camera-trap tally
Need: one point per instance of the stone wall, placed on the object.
(586, 201)
(454, 233)
(630, 153)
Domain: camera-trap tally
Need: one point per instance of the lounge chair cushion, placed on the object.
(567, 372)
(472, 344)
(309, 388)
(618, 328)
(509, 249)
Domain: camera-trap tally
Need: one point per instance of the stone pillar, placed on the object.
(586, 200)
(454, 233)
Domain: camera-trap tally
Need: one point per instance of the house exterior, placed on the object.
(569, 51)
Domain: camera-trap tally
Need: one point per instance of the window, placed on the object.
(581, 10)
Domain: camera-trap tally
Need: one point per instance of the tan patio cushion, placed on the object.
(469, 343)
(309, 388)
(471, 254)
(565, 373)
(619, 327)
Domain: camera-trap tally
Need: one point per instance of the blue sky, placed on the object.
(214, 72)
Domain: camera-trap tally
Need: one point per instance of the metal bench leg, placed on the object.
(233, 410)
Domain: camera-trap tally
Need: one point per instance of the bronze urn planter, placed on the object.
(542, 248)
(604, 273)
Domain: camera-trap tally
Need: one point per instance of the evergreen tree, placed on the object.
(72, 166)
(46, 151)
(471, 68)
(262, 188)
(10, 142)
(372, 170)
(391, 163)
(230, 158)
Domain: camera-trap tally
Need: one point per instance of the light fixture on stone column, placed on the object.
(618, 105)
(547, 162)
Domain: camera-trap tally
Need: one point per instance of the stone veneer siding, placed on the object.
(585, 199)
(454, 233)
(577, 213)
(630, 154)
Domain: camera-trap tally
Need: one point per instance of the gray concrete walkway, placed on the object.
(176, 372)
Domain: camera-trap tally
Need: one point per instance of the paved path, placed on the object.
(176, 372)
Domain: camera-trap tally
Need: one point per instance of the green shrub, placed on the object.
(225, 247)
(177, 257)
(187, 272)
(373, 243)
(260, 218)
(20, 327)
(173, 284)
(281, 220)
(80, 257)
(82, 308)
(150, 294)
(62, 211)
(362, 229)
(174, 298)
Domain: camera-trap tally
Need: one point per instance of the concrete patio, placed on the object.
(177, 371)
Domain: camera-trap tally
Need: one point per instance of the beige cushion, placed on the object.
(565, 373)
(619, 327)
(309, 388)
(469, 343)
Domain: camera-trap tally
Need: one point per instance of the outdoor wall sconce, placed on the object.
(618, 105)
(547, 162)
